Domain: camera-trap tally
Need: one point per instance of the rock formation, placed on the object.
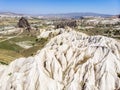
(118, 16)
(70, 61)
(63, 24)
(23, 23)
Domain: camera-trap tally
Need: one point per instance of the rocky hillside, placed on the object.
(70, 61)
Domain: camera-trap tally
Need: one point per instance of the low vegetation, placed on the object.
(9, 50)
(6, 56)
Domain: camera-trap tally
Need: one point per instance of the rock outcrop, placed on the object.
(63, 24)
(70, 61)
(23, 23)
(118, 16)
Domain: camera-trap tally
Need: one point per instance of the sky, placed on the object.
(60, 6)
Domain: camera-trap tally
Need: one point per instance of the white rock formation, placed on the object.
(70, 61)
(49, 33)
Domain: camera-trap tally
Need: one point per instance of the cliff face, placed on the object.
(70, 61)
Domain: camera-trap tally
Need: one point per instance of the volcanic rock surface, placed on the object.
(70, 61)
(23, 23)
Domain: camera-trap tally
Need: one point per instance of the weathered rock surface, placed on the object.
(63, 24)
(23, 23)
(70, 61)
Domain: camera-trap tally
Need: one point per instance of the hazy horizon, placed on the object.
(60, 6)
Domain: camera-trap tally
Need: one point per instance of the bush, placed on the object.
(10, 74)
(3, 63)
(118, 74)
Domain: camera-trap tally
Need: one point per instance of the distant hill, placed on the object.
(75, 15)
(9, 13)
(61, 15)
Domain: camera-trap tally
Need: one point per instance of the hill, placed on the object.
(59, 15)
(70, 61)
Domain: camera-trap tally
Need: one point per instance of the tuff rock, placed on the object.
(70, 61)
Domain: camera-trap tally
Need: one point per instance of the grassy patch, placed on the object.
(8, 45)
(95, 31)
(40, 43)
(23, 38)
(9, 51)
(2, 39)
(6, 56)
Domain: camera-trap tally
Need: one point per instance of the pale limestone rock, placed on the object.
(70, 61)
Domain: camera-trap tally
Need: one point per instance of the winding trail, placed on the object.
(21, 31)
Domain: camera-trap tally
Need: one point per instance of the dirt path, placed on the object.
(21, 31)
